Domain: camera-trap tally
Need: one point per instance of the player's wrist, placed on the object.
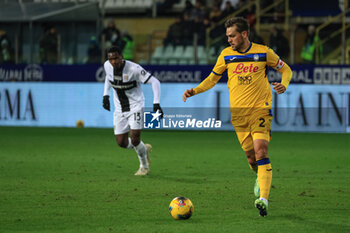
(157, 108)
(284, 85)
(106, 105)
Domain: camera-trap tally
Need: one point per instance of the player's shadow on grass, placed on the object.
(289, 217)
(317, 225)
(167, 220)
(182, 179)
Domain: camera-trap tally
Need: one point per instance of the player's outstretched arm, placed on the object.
(205, 85)
(278, 87)
(188, 93)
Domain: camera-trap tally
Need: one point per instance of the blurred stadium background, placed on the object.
(56, 178)
(63, 42)
(79, 25)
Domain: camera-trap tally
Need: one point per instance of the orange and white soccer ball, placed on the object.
(181, 208)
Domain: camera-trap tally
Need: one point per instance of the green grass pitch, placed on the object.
(78, 180)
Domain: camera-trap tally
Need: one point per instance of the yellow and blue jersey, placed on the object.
(247, 75)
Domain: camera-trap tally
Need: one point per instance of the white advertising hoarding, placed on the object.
(314, 108)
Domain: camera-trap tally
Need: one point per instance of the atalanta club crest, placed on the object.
(256, 57)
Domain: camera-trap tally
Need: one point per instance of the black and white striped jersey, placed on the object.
(126, 86)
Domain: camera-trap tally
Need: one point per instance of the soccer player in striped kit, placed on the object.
(125, 77)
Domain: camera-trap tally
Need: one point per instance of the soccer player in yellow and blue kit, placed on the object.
(250, 98)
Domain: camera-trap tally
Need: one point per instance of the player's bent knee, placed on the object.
(122, 144)
(250, 156)
(261, 153)
(252, 160)
(122, 141)
(261, 149)
(135, 141)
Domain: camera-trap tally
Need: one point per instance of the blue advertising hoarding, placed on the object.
(302, 74)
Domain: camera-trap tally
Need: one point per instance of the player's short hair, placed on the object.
(240, 22)
(115, 49)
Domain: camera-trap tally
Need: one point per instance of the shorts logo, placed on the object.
(151, 120)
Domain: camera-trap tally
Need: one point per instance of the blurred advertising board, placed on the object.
(302, 74)
(303, 108)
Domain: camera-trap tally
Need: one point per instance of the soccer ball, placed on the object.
(181, 208)
(80, 124)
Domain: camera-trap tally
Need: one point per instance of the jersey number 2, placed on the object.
(262, 122)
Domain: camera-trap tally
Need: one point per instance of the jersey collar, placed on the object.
(120, 71)
(250, 45)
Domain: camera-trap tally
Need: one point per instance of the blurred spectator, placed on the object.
(127, 46)
(94, 52)
(233, 3)
(250, 14)
(215, 15)
(49, 45)
(279, 43)
(217, 2)
(111, 34)
(279, 12)
(200, 27)
(308, 52)
(228, 9)
(187, 30)
(174, 34)
(255, 37)
(6, 55)
(188, 7)
(241, 3)
(164, 5)
(197, 11)
(276, 14)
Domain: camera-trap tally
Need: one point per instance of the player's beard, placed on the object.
(239, 46)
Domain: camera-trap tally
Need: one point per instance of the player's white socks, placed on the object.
(141, 151)
(130, 146)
